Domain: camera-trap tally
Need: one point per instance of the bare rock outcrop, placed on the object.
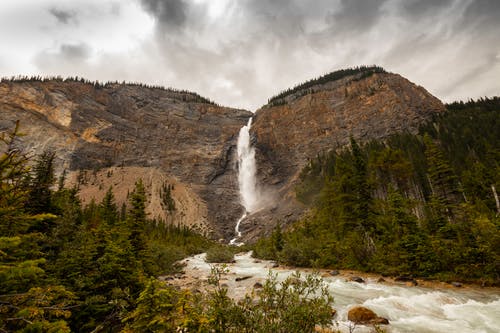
(323, 117)
(116, 133)
(95, 128)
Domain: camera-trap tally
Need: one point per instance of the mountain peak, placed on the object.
(354, 73)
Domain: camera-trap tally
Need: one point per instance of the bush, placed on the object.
(295, 305)
(219, 254)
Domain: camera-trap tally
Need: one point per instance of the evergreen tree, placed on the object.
(443, 181)
(136, 219)
(40, 185)
(444, 186)
(362, 189)
(108, 208)
(27, 301)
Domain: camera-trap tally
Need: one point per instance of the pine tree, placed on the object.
(108, 208)
(13, 190)
(444, 184)
(362, 189)
(27, 301)
(40, 186)
(277, 238)
(136, 219)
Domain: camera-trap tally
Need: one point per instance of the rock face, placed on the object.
(113, 134)
(167, 136)
(323, 117)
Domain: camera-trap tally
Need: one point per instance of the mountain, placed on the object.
(422, 204)
(321, 115)
(183, 145)
(113, 134)
(375, 174)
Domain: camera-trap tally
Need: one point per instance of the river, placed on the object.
(408, 308)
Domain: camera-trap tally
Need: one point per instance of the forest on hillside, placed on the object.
(65, 267)
(305, 87)
(421, 205)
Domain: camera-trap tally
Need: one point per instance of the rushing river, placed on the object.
(409, 309)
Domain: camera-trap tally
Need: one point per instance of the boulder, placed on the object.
(404, 278)
(456, 284)
(334, 272)
(357, 279)
(380, 321)
(408, 279)
(365, 316)
(258, 285)
(242, 278)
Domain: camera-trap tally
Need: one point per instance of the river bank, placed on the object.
(429, 306)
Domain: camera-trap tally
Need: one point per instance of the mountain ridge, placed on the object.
(94, 129)
(288, 135)
(191, 141)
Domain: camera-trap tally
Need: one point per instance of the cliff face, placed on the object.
(324, 117)
(107, 130)
(114, 134)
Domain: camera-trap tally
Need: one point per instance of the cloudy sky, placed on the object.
(241, 52)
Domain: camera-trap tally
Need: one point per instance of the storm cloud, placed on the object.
(62, 16)
(239, 53)
(170, 13)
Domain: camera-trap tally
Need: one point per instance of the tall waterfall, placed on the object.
(247, 181)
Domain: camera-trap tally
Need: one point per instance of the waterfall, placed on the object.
(247, 181)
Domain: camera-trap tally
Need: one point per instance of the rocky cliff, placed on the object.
(113, 134)
(323, 115)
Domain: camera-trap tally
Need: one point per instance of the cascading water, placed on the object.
(247, 181)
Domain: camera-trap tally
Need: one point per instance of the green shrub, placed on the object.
(220, 254)
(295, 305)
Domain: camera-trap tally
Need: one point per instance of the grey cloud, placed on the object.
(357, 15)
(483, 12)
(269, 45)
(62, 16)
(170, 13)
(74, 51)
(256, 48)
(66, 56)
(286, 18)
(423, 7)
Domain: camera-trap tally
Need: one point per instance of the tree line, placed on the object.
(108, 84)
(305, 88)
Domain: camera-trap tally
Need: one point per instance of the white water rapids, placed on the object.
(409, 309)
(247, 181)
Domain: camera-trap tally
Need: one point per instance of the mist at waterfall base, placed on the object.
(251, 195)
